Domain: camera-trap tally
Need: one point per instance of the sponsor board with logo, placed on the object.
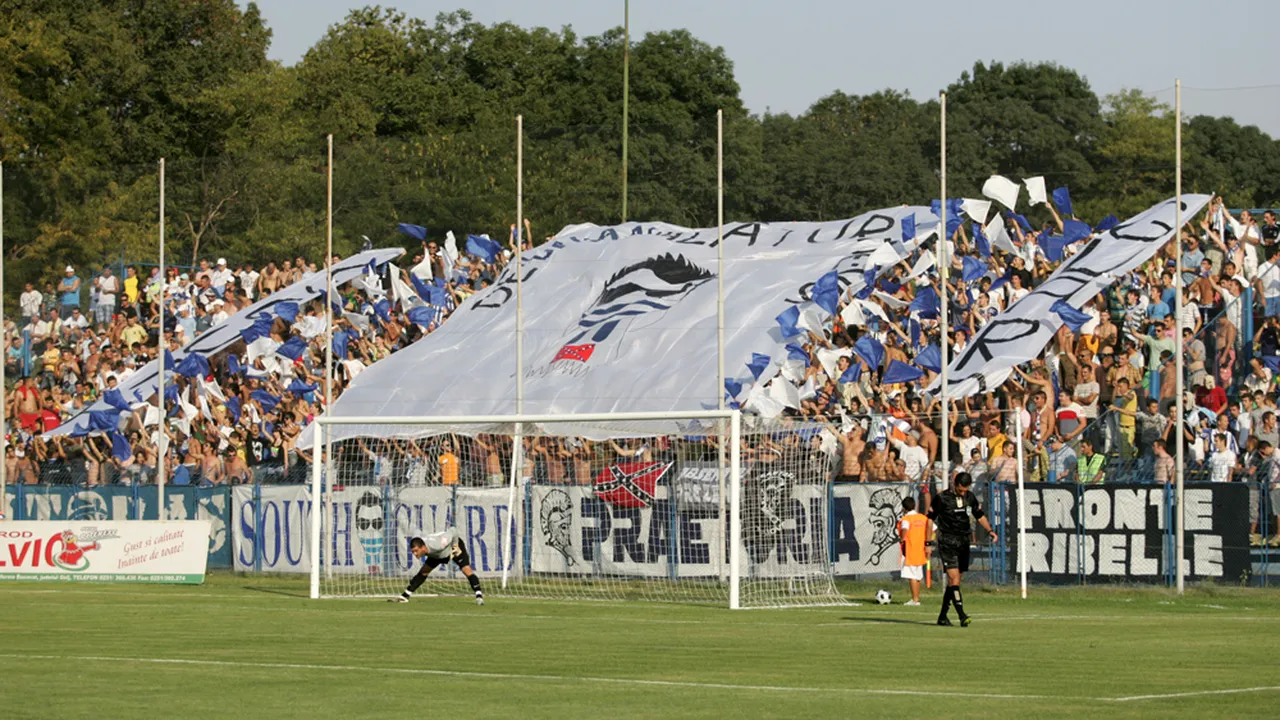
(123, 502)
(104, 551)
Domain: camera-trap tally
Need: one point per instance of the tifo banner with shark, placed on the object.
(624, 318)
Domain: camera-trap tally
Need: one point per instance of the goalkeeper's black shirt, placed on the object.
(951, 512)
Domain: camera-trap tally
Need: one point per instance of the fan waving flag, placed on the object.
(974, 269)
(759, 363)
(930, 358)
(1075, 231)
(787, 321)
(483, 248)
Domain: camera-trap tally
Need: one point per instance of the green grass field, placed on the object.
(253, 647)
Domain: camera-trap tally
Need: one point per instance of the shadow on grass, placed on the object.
(278, 591)
(890, 621)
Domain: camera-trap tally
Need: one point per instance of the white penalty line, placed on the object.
(1198, 693)
(550, 678)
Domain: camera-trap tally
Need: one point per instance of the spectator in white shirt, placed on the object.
(916, 459)
(249, 280)
(29, 302)
(220, 277)
(108, 286)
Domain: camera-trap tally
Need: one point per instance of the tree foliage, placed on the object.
(92, 94)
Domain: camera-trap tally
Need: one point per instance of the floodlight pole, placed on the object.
(626, 95)
(324, 437)
(720, 376)
(1022, 504)
(1180, 540)
(162, 438)
(944, 264)
(517, 449)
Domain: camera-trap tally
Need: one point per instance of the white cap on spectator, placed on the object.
(184, 276)
(222, 261)
(70, 269)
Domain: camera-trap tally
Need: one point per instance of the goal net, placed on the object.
(611, 508)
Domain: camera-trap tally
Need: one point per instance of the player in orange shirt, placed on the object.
(913, 530)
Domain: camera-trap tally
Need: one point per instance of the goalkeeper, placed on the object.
(438, 549)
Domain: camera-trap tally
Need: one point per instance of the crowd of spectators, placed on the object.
(1095, 406)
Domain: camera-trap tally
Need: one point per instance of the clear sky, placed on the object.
(787, 54)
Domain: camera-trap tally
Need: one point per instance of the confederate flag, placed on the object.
(579, 353)
(630, 484)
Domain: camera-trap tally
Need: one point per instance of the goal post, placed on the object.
(617, 506)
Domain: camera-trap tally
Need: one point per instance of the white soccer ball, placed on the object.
(883, 597)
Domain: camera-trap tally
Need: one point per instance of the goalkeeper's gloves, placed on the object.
(398, 599)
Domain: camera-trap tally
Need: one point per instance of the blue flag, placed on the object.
(421, 286)
(288, 311)
(233, 407)
(1106, 223)
(292, 348)
(1075, 231)
(103, 421)
(913, 328)
(483, 248)
(421, 315)
(853, 374)
(900, 372)
(759, 363)
(1271, 361)
(417, 232)
(437, 297)
(1000, 281)
(826, 292)
(1062, 199)
(297, 387)
(193, 365)
(115, 399)
(930, 358)
(795, 352)
(1020, 219)
(1072, 317)
(787, 321)
(974, 269)
(120, 449)
(868, 277)
(340, 340)
(908, 227)
(870, 350)
(260, 328)
(233, 364)
(980, 239)
(1052, 246)
(168, 360)
(926, 302)
(733, 386)
(382, 308)
(265, 399)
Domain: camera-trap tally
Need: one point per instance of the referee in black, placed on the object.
(950, 510)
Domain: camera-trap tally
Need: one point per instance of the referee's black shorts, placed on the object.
(954, 552)
(459, 557)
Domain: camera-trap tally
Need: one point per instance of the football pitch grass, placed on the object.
(251, 647)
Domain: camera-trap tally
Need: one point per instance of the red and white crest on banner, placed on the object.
(577, 353)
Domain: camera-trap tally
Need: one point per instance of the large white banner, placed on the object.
(624, 319)
(369, 528)
(1020, 333)
(864, 532)
(104, 551)
(143, 384)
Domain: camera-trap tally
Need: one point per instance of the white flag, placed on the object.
(809, 390)
(423, 269)
(999, 236)
(923, 265)
(976, 209)
(811, 319)
(1035, 190)
(874, 309)
(1002, 190)
(450, 256)
(758, 399)
(784, 392)
(828, 359)
(852, 314)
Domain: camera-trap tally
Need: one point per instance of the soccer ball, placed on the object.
(883, 597)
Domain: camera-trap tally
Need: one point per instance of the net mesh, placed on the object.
(640, 516)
